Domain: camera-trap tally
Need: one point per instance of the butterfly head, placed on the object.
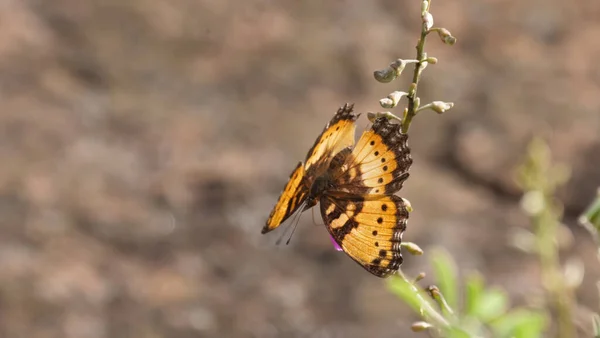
(319, 186)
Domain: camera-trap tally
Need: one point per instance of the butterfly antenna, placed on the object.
(293, 230)
(295, 220)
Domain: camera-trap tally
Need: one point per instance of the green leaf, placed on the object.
(473, 290)
(596, 325)
(445, 271)
(520, 323)
(591, 217)
(455, 332)
(492, 304)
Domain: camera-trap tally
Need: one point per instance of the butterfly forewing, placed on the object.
(292, 196)
(378, 164)
(337, 135)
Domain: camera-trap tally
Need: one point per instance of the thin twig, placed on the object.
(419, 66)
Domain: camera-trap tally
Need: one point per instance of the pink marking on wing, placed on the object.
(335, 245)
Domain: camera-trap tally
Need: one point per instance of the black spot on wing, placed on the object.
(396, 256)
(395, 141)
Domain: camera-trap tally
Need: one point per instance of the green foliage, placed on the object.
(540, 178)
(596, 325)
(479, 310)
(446, 273)
(590, 219)
(485, 311)
(520, 323)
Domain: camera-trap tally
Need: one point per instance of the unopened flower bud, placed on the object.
(417, 103)
(573, 272)
(385, 75)
(373, 116)
(424, 6)
(407, 203)
(392, 100)
(412, 89)
(391, 72)
(420, 326)
(387, 103)
(446, 36)
(440, 106)
(399, 65)
(428, 20)
(533, 202)
(412, 248)
(432, 60)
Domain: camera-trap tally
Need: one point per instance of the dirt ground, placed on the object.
(144, 143)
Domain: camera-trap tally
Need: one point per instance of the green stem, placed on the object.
(552, 277)
(428, 311)
(412, 94)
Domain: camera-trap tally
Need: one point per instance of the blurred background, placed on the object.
(144, 143)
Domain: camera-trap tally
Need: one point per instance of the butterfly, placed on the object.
(355, 186)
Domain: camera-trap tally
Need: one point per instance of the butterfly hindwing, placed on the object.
(337, 135)
(368, 230)
(292, 196)
(378, 163)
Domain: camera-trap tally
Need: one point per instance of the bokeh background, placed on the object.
(144, 142)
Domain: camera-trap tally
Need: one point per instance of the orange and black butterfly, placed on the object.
(355, 186)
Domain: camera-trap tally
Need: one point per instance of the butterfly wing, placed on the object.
(378, 164)
(368, 230)
(292, 196)
(337, 135)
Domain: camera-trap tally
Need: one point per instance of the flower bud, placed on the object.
(412, 89)
(533, 202)
(428, 20)
(373, 116)
(387, 103)
(412, 248)
(440, 106)
(432, 60)
(420, 326)
(417, 103)
(424, 7)
(392, 100)
(407, 203)
(573, 272)
(385, 75)
(391, 72)
(446, 36)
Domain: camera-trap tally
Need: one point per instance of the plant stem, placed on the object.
(560, 294)
(412, 94)
(429, 312)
